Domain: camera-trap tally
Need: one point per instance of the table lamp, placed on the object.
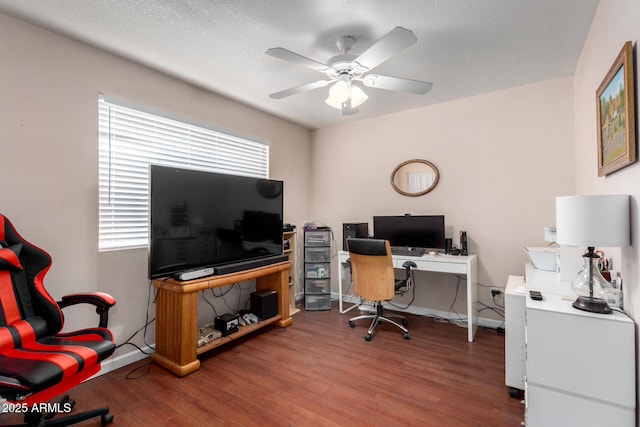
(592, 221)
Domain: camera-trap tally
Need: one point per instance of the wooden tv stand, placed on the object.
(176, 314)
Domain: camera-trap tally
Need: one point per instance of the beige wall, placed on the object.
(49, 88)
(502, 158)
(615, 22)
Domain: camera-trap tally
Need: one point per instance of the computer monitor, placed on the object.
(419, 231)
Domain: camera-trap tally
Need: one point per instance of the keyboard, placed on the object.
(406, 251)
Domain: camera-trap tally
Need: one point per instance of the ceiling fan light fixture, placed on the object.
(339, 93)
(342, 91)
(357, 96)
(343, 69)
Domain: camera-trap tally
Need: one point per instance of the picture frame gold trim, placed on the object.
(616, 115)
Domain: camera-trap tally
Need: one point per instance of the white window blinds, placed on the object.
(130, 140)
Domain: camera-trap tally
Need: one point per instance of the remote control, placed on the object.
(535, 295)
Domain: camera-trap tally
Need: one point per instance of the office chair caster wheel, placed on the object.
(106, 419)
(404, 322)
(368, 337)
(405, 335)
(352, 324)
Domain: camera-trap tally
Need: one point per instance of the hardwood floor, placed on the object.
(321, 372)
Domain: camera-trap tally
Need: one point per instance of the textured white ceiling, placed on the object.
(465, 47)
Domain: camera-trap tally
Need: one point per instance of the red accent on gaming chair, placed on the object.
(37, 361)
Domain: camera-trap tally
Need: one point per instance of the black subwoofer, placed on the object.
(264, 304)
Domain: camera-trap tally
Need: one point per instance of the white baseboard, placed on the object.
(422, 311)
(117, 362)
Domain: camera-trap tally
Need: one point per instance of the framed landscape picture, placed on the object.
(616, 115)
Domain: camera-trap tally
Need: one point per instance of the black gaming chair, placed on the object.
(37, 361)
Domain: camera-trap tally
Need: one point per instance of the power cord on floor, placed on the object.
(130, 375)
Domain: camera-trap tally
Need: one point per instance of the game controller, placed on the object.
(250, 318)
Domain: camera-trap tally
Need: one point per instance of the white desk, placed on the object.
(467, 265)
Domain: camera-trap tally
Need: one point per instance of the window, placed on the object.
(130, 140)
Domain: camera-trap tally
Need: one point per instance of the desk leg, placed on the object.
(176, 329)
(472, 299)
(340, 286)
(278, 282)
(340, 294)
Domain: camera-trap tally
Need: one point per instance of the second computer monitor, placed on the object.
(419, 231)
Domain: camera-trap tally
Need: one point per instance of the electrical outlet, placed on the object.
(495, 291)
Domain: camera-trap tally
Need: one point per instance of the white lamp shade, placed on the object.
(342, 91)
(357, 96)
(595, 220)
(339, 93)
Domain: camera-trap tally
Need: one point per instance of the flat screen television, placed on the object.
(419, 231)
(203, 219)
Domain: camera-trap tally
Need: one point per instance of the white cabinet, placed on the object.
(514, 344)
(580, 366)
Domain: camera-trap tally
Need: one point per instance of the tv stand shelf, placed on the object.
(176, 314)
(242, 331)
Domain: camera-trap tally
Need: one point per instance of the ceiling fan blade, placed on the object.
(396, 83)
(396, 40)
(287, 55)
(299, 89)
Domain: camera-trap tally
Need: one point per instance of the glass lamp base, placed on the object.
(593, 305)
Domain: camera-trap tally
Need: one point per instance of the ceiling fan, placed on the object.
(344, 70)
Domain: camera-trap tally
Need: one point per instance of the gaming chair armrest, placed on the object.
(102, 301)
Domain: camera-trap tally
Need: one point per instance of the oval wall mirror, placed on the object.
(415, 177)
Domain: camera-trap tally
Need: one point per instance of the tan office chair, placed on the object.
(373, 280)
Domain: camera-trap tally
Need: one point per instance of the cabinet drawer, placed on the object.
(317, 270)
(438, 266)
(317, 302)
(317, 254)
(558, 357)
(317, 286)
(317, 238)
